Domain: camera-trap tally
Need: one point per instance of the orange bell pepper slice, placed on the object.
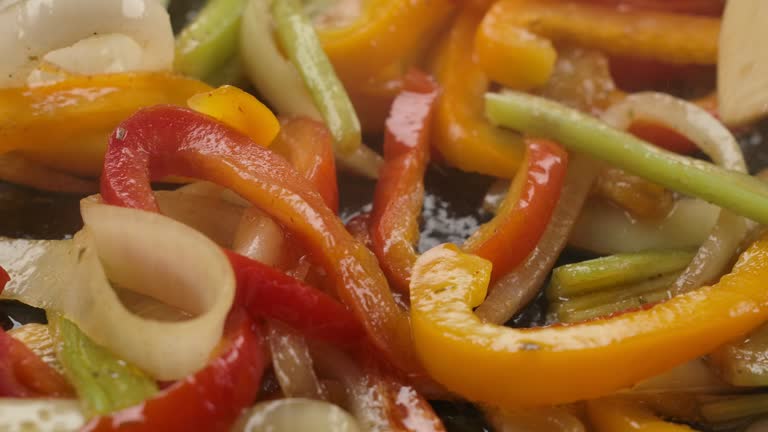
(615, 415)
(526, 210)
(694, 7)
(400, 189)
(239, 110)
(461, 134)
(513, 42)
(65, 125)
(553, 365)
(386, 33)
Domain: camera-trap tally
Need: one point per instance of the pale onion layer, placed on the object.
(146, 253)
(296, 414)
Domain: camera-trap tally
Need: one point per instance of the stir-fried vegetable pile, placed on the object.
(224, 276)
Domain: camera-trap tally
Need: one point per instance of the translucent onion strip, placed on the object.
(179, 266)
(517, 288)
(606, 229)
(279, 82)
(550, 419)
(296, 414)
(292, 362)
(31, 29)
(687, 119)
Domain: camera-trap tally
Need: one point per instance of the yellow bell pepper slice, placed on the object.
(461, 133)
(239, 110)
(615, 415)
(510, 367)
(65, 125)
(512, 43)
(386, 32)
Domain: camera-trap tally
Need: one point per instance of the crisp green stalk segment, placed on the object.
(103, 382)
(231, 73)
(211, 40)
(738, 192)
(618, 299)
(607, 272)
(302, 46)
(725, 410)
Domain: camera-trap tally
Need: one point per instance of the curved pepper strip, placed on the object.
(308, 146)
(513, 46)
(209, 400)
(164, 140)
(264, 291)
(24, 374)
(609, 415)
(64, 125)
(394, 223)
(553, 365)
(694, 7)
(526, 210)
(462, 135)
(387, 32)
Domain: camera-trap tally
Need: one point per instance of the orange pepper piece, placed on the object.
(615, 415)
(461, 133)
(513, 46)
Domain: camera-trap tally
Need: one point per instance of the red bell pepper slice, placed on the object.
(525, 212)
(308, 146)
(24, 374)
(270, 293)
(164, 140)
(693, 7)
(211, 399)
(400, 190)
(4, 278)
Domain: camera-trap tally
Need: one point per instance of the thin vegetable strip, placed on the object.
(735, 191)
(400, 190)
(302, 46)
(526, 210)
(161, 140)
(517, 288)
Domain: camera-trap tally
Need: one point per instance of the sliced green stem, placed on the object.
(568, 314)
(103, 382)
(302, 46)
(211, 40)
(620, 269)
(738, 407)
(741, 193)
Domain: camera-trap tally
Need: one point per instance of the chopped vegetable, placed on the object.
(74, 111)
(520, 286)
(41, 414)
(296, 414)
(616, 415)
(743, 362)
(606, 272)
(735, 191)
(302, 46)
(209, 400)
(181, 268)
(727, 409)
(103, 382)
(239, 110)
(540, 366)
(523, 216)
(23, 374)
(742, 67)
(513, 48)
(394, 223)
(271, 184)
(462, 136)
(210, 40)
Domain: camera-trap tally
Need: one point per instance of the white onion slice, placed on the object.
(717, 142)
(40, 415)
(216, 218)
(144, 252)
(31, 29)
(292, 362)
(296, 414)
(547, 419)
(607, 229)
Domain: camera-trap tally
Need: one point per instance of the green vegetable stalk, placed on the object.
(734, 408)
(103, 382)
(211, 41)
(302, 46)
(741, 193)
